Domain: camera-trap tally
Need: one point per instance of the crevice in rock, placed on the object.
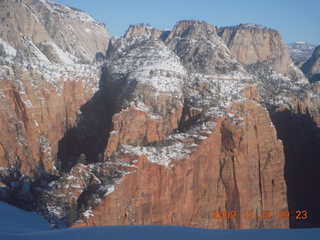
(188, 118)
(228, 174)
(259, 167)
(301, 141)
(90, 136)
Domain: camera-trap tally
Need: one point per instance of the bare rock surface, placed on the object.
(56, 29)
(171, 126)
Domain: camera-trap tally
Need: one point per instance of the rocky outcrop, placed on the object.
(235, 155)
(221, 136)
(176, 129)
(136, 33)
(250, 44)
(293, 105)
(36, 111)
(201, 50)
(41, 89)
(312, 67)
(298, 128)
(71, 34)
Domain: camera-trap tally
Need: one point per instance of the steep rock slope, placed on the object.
(204, 157)
(60, 33)
(312, 67)
(175, 132)
(251, 43)
(293, 105)
(42, 87)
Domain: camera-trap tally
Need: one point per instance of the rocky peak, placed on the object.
(42, 29)
(140, 32)
(312, 67)
(193, 29)
(45, 7)
(201, 49)
(134, 34)
(248, 26)
(251, 44)
(169, 136)
(250, 35)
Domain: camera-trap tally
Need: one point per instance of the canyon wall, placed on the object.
(168, 127)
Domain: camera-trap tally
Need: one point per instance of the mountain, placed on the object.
(50, 32)
(155, 127)
(47, 72)
(311, 68)
(251, 44)
(300, 52)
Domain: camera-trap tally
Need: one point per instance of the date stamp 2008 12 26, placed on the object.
(260, 214)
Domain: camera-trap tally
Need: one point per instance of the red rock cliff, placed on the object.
(239, 166)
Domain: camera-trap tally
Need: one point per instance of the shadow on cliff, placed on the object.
(86, 141)
(301, 140)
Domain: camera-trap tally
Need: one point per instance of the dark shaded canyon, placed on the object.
(87, 140)
(301, 140)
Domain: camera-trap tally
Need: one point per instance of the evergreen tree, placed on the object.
(73, 213)
(82, 159)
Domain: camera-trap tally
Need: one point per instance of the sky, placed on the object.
(296, 20)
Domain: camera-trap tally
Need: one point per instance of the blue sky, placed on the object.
(297, 20)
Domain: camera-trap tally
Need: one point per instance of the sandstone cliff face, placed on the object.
(312, 67)
(217, 139)
(250, 44)
(36, 111)
(177, 129)
(71, 34)
(201, 50)
(41, 91)
(235, 155)
(293, 105)
(298, 128)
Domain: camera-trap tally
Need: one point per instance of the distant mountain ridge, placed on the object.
(300, 51)
(311, 67)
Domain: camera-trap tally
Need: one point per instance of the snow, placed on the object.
(300, 51)
(16, 224)
(36, 54)
(110, 189)
(248, 26)
(75, 186)
(160, 155)
(8, 50)
(88, 214)
(152, 64)
(66, 11)
(87, 75)
(63, 57)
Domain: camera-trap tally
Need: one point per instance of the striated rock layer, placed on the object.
(251, 44)
(47, 31)
(237, 167)
(220, 151)
(177, 129)
(42, 87)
